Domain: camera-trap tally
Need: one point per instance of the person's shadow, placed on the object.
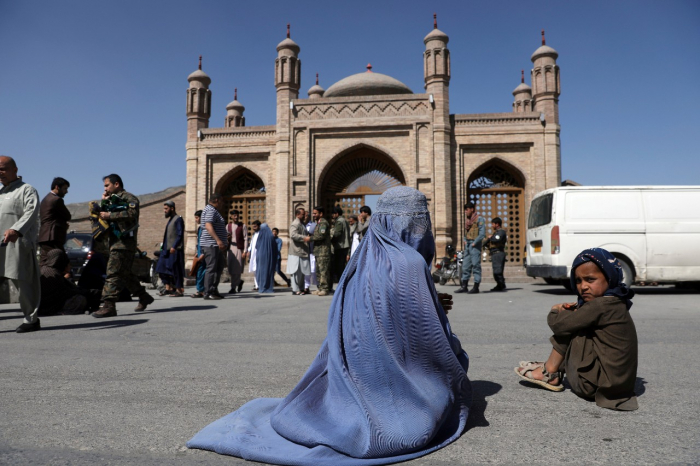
(480, 390)
(639, 386)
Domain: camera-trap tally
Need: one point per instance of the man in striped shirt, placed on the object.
(213, 245)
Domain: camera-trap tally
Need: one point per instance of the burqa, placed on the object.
(266, 257)
(390, 381)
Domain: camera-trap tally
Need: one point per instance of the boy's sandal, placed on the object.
(532, 364)
(525, 373)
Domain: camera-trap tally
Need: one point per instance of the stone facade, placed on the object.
(369, 132)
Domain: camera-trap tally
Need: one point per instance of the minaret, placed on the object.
(316, 91)
(436, 70)
(287, 76)
(198, 102)
(545, 94)
(545, 82)
(234, 113)
(523, 96)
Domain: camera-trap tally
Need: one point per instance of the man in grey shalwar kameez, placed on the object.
(298, 257)
(19, 227)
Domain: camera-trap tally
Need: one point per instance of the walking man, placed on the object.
(278, 269)
(497, 243)
(201, 269)
(120, 209)
(298, 264)
(54, 216)
(340, 241)
(322, 251)
(19, 224)
(475, 231)
(213, 246)
(171, 263)
(237, 234)
(252, 253)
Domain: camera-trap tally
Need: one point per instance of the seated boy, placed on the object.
(595, 340)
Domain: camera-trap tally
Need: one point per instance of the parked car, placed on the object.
(80, 251)
(654, 231)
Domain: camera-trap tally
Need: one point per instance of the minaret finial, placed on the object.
(543, 37)
(317, 79)
(369, 67)
(235, 94)
(522, 76)
(287, 30)
(200, 62)
(434, 20)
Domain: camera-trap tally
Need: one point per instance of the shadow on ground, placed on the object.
(99, 325)
(481, 389)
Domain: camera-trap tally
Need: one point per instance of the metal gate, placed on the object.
(246, 194)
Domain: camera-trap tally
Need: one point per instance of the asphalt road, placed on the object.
(131, 390)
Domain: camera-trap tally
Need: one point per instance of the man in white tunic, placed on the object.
(298, 258)
(252, 256)
(310, 278)
(19, 227)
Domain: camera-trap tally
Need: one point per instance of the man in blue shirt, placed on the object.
(278, 240)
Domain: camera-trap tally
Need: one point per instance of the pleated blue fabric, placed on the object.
(390, 381)
(266, 256)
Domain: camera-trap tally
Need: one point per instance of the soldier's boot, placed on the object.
(322, 293)
(144, 300)
(108, 309)
(464, 288)
(475, 289)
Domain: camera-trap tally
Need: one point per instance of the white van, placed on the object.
(653, 230)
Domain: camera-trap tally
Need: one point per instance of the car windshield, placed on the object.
(77, 242)
(540, 211)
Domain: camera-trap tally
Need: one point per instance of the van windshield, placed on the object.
(540, 211)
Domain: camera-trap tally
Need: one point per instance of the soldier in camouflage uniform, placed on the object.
(120, 209)
(322, 252)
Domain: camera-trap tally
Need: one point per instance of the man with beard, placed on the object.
(171, 263)
(298, 258)
(252, 253)
(341, 242)
(322, 251)
(19, 215)
(237, 234)
(54, 217)
(120, 209)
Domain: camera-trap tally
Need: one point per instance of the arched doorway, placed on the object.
(497, 190)
(358, 178)
(244, 192)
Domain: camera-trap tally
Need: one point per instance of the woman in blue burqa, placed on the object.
(389, 383)
(266, 255)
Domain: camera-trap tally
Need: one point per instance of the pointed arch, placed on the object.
(245, 191)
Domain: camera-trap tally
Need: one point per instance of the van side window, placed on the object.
(540, 211)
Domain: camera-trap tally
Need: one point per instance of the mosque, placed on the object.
(347, 144)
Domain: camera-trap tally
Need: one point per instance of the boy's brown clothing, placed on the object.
(599, 344)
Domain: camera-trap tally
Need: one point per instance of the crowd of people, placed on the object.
(390, 380)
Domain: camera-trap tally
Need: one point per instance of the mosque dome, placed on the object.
(522, 87)
(199, 75)
(235, 105)
(288, 44)
(368, 83)
(544, 51)
(436, 34)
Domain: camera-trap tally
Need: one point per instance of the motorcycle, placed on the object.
(450, 267)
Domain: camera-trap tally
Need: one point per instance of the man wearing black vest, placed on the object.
(171, 263)
(237, 233)
(497, 244)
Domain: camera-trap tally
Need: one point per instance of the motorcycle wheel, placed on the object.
(442, 280)
(154, 276)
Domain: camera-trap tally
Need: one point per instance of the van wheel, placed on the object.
(627, 275)
(551, 281)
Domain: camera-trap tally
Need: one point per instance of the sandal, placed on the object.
(176, 294)
(164, 292)
(525, 373)
(300, 293)
(535, 364)
(197, 295)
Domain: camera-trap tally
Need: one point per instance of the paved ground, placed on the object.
(133, 389)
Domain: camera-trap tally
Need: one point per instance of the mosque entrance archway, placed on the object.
(358, 178)
(245, 192)
(498, 190)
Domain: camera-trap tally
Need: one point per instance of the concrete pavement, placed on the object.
(134, 388)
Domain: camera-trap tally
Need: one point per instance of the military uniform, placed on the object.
(121, 241)
(496, 244)
(322, 252)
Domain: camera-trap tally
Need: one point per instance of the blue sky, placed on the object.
(93, 87)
